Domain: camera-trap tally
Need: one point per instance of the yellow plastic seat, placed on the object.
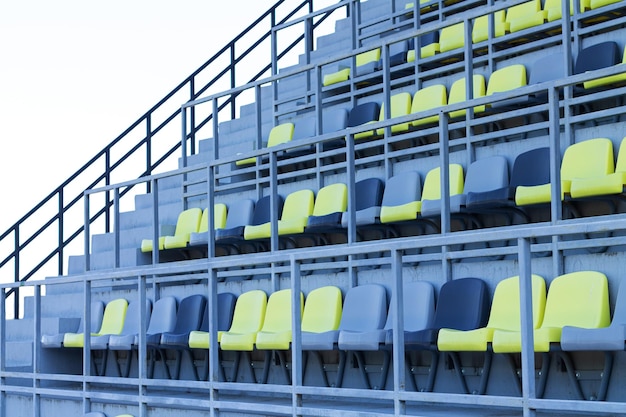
(322, 310)
(280, 134)
(188, 222)
(401, 198)
(553, 8)
(579, 299)
(428, 98)
(506, 79)
(525, 15)
(452, 37)
(219, 221)
(277, 332)
(400, 106)
(590, 159)
(296, 211)
(458, 94)
(504, 315)
(112, 323)
(342, 75)
(607, 184)
(247, 321)
(596, 4)
(431, 194)
(429, 46)
(480, 31)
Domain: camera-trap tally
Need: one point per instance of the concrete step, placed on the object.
(168, 195)
(23, 329)
(19, 353)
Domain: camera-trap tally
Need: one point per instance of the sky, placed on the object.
(75, 73)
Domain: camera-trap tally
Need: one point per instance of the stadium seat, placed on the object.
(397, 53)
(579, 299)
(506, 79)
(220, 221)
(429, 46)
(366, 62)
(402, 198)
(56, 340)
(240, 214)
(553, 8)
(583, 160)
(187, 223)
(400, 106)
(458, 94)
(611, 183)
(428, 98)
(525, 15)
(368, 199)
(504, 315)
(598, 56)
(305, 128)
(112, 323)
(486, 179)
(480, 31)
(452, 37)
(188, 318)
(279, 134)
(362, 114)
(331, 201)
(431, 194)
(322, 314)
(296, 211)
(617, 79)
(596, 4)
(463, 304)
(161, 320)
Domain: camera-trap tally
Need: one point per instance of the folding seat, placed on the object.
(553, 8)
(112, 323)
(429, 46)
(401, 198)
(480, 31)
(220, 221)
(279, 134)
(304, 128)
(56, 340)
(579, 299)
(458, 94)
(364, 310)
(400, 106)
(452, 37)
(187, 223)
(363, 114)
(596, 4)
(431, 194)
(330, 203)
(248, 319)
(296, 211)
(598, 56)
(428, 98)
(162, 320)
(366, 62)
(612, 183)
(486, 179)
(188, 318)
(588, 159)
(525, 15)
(504, 315)
(240, 214)
(506, 79)
(368, 199)
(463, 304)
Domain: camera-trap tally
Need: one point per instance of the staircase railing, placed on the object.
(58, 217)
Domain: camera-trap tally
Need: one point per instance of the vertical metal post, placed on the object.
(60, 233)
(141, 348)
(527, 326)
(155, 221)
(16, 274)
(86, 231)
(116, 226)
(183, 134)
(296, 339)
(397, 309)
(36, 350)
(352, 238)
(148, 144)
(3, 318)
(213, 353)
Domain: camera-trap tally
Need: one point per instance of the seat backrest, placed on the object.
(280, 134)
(505, 307)
(579, 299)
(97, 311)
(463, 304)
(190, 313)
(402, 188)
(364, 308)
(240, 213)
(334, 120)
(225, 308)
(262, 211)
(188, 221)
(419, 306)
(363, 113)
(619, 313)
(163, 317)
(278, 312)
(620, 165)
(249, 312)
(131, 323)
(554, 8)
(114, 317)
(332, 198)
(368, 193)
(480, 31)
(601, 55)
(367, 57)
(220, 214)
(458, 93)
(400, 106)
(429, 98)
(298, 205)
(487, 174)
(547, 68)
(522, 10)
(588, 159)
(506, 79)
(432, 183)
(397, 53)
(322, 310)
(452, 37)
(304, 128)
(531, 168)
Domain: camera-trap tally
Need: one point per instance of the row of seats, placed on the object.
(573, 315)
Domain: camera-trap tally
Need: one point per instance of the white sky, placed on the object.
(75, 73)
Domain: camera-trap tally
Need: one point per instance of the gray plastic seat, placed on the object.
(56, 340)
(419, 309)
(361, 326)
(369, 195)
(239, 214)
(401, 190)
(334, 120)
